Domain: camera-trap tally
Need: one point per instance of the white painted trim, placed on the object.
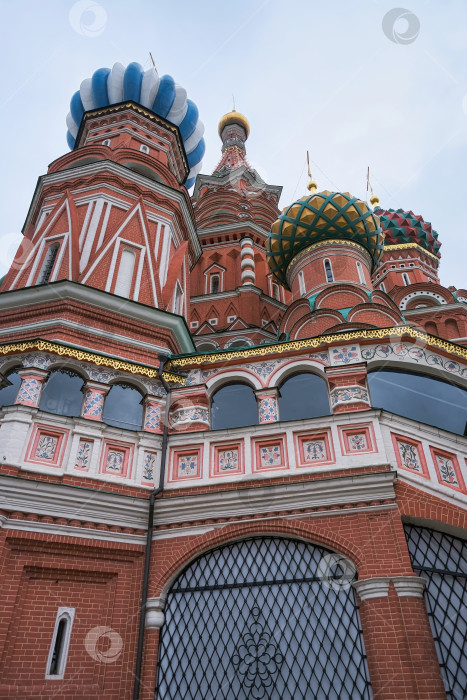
(372, 588)
(409, 586)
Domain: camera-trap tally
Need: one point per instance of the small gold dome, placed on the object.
(234, 117)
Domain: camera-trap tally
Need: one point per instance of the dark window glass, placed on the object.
(234, 406)
(328, 269)
(257, 619)
(304, 395)
(123, 407)
(48, 264)
(58, 648)
(442, 561)
(62, 393)
(214, 284)
(420, 397)
(8, 393)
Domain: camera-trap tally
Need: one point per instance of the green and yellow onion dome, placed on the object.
(319, 217)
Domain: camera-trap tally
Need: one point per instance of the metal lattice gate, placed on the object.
(442, 561)
(263, 618)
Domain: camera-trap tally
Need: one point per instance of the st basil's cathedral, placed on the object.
(233, 453)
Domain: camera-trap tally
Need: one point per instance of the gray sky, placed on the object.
(307, 74)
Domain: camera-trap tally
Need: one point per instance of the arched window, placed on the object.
(58, 652)
(214, 280)
(328, 271)
(263, 618)
(304, 395)
(234, 406)
(125, 273)
(420, 397)
(301, 283)
(276, 291)
(361, 275)
(442, 561)
(48, 264)
(62, 393)
(430, 327)
(177, 306)
(123, 407)
(406, 279)
(9, 392)
(452, 329)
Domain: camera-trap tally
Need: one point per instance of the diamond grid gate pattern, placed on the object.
(442, 561)
(263, 619)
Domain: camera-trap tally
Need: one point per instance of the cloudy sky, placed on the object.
(345, 80)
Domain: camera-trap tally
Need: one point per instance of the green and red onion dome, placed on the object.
(318, 217)
(401, 226)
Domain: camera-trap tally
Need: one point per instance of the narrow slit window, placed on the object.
(405, 277)
(361, 275)
(328, 271)
(301, 283)
(276, 291)
(48, 264)
(214, 284)
(125, 273)
(382, 286)
(58, 653)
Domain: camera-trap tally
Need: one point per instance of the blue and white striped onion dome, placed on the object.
(163, 96)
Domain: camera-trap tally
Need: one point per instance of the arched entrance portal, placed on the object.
(263, 618)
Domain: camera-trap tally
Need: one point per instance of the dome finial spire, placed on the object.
(312, 186)
(374, 199)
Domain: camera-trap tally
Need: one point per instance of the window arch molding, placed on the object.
(246, 342)
(416, 368)
(280, 375)
(233, 377)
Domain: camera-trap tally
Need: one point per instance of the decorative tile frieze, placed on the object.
(410, 455)
(32, 382)
(345, 355)
(314, 448)
(447, 468)
(408, 352)
(349, 395)
(152, 422)
(149, 468)
(269, 454)
(227, 459)
(186, 463)
(46, 445)
(94, 398)
(116, 459)
(357, 439)
(83, 455)
(268, 405)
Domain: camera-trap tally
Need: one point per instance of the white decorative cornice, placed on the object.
(92, 505)
(410, 586)
(372, 587)
(296, 495)
(57, 291)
